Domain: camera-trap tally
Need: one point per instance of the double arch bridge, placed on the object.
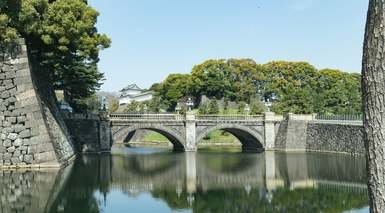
(256, 133)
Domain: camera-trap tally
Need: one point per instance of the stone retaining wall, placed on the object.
(335, 138)
(309, 135)
(90, 132)
(32, 132)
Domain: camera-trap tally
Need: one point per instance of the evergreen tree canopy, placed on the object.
(62, 40)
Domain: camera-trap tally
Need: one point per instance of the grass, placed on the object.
(220, 136)
(155, 137)
(217, 136)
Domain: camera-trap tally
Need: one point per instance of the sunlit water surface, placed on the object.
(157, 180)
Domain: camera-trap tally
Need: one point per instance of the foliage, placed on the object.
(213, 107)
(154, 105)
(113, 105)
(203, 109)
(210, 78)
(338, 92)
(241, 107)
(293, 84)
(89, 104)
(257, 108)
(172, 89)
(133, 107)
(62, 40)
(295, 87)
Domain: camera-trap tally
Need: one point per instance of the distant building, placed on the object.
(134, 93)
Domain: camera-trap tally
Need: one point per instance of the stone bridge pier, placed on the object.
(256, 133)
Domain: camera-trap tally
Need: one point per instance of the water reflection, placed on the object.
(31, 191)
(145, 181)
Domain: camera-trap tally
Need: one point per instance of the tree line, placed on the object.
(291, 87)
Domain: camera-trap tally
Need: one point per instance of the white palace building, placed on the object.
(134, 93)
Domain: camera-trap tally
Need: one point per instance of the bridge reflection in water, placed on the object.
(216, 182)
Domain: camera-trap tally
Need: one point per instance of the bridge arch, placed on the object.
(171, 134)
(251, 139)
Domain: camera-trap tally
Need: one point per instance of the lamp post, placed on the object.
(189, 104)
(104, 104)
(247, 109)
(178, 108)
(268, 104)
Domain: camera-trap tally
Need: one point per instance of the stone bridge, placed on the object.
(256, 133)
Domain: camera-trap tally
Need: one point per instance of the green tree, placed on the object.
(155, 105)
(211, 79)
(113, 105)
(62, 41)
(133, 107)
(246, 79)
(241, 107)
(89, 104)
(338, 93)
(172, 89)
(292, 84)
(203, 109)
(257, 108)
(213, 107)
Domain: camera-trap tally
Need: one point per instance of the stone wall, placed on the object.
(32, 130)
(307, 134)
(90, 132)
(335, 138)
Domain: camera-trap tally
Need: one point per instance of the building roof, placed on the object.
(131, 87)
(138, 95)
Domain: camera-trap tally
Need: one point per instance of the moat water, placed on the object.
(158, 180)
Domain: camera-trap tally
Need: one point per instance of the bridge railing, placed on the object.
(156, 117)
(339, 119)
(230, 117)
(177, 117)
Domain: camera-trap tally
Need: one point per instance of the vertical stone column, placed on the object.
(190, 132)
(269, 130)
(104, 133)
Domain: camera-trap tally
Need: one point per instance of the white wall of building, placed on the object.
(141, 98)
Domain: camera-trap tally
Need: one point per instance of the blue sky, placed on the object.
(153, 38)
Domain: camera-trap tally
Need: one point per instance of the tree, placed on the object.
(203, 109)
(211, 79)
(257, 108)
(155, 105)
(213, 107)
(241, 107)
(113, 105)
(373, 79)
(133, 107)
(62, 40)
(172, 89)
(293, 84)
(90, 104)
(246, 79)
(338, 93)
